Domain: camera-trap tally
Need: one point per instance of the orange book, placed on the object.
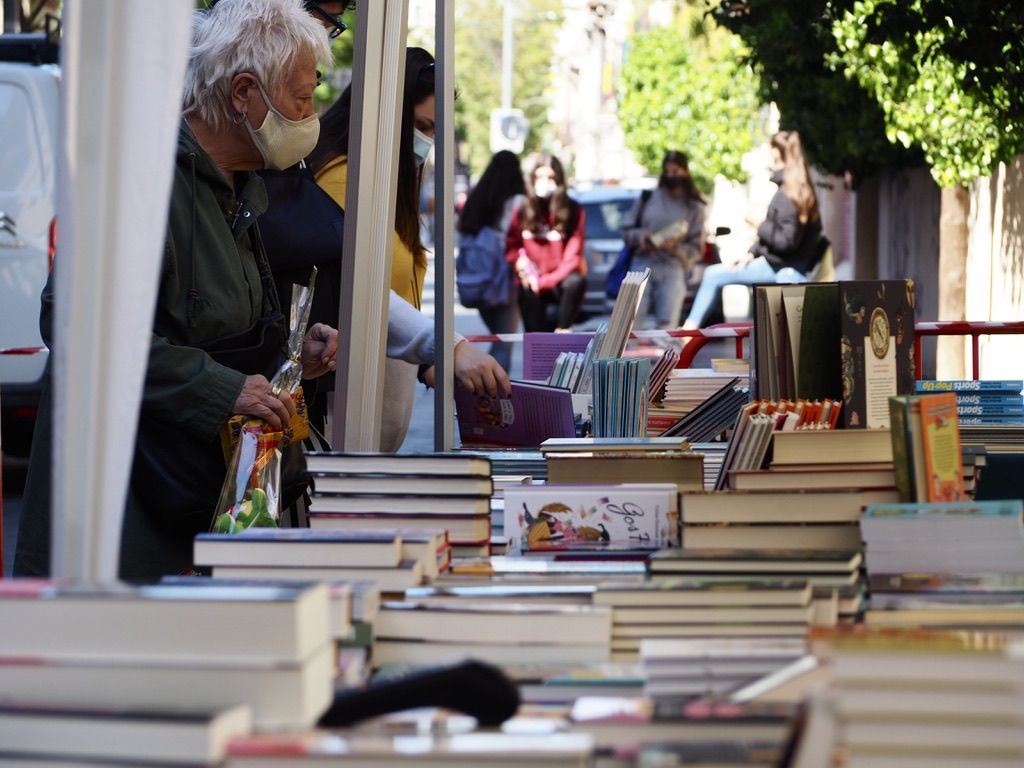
(940, 433)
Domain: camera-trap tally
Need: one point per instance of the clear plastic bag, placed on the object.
(251, 494)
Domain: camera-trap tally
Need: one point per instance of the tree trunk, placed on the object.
(950, 357)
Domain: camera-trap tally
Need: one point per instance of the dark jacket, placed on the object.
(783, 240)
(212, 288)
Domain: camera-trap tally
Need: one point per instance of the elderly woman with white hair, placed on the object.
(218, 330)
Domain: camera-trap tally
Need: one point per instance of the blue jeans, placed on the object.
(718, 275)
(666, 288)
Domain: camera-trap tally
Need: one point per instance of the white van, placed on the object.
(29, 114)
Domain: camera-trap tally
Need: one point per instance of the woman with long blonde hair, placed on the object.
(789, 240)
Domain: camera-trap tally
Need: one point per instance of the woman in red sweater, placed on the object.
(545, 246)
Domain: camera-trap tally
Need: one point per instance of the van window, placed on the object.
(21, 161)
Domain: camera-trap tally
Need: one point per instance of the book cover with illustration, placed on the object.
(877, 348)
(548, 516)
(943, 462)
(532, 414)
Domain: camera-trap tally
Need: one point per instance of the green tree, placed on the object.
(931, 70)
(478, 28)
(681, 90)
(842, 127)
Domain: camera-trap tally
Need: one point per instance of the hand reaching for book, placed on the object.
(476, 370)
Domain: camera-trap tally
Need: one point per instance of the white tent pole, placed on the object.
(377, 84)
(123, 68)
(444, 230)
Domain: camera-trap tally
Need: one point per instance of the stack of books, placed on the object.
(776, 519)
(411, 750)
(420, 632)
(917, 698)
(621, 397)
(835, 577)
(981, 402)
(66, 736)
(392, 559)
(624, 460)
(713, 667)
(169, 648)
(687, 390)
(388, 491)
(687, 607)
(910, 548)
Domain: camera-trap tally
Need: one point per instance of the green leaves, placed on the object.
(909, 57)
(692, 93)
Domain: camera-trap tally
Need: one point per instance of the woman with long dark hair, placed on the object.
(666, 231)
(545, 245)
(329, 163)
(484, 278)
(789, 240)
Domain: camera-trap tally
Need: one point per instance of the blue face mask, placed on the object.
(421, 146)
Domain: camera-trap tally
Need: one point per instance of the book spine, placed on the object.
(993, 385)
(989, 398)
(990, 410)
(978, 421)
(901, 449)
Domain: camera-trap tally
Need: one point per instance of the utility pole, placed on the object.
(507, 43)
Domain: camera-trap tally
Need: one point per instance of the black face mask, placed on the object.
(675, 182)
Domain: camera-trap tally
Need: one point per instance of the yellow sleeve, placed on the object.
(333, 179)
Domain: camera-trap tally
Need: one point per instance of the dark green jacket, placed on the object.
(210, 289)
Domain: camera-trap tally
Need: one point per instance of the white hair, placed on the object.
(259, 36)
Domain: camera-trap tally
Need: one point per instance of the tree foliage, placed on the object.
(841, 125)
(939, 84)
(680, 90)
(478, 35)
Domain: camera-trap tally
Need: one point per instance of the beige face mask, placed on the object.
(280, 141)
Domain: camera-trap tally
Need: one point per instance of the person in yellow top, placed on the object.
(329, 163)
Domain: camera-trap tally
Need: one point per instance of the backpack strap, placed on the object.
(644, 197)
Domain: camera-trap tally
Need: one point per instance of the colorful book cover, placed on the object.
(988, 398)
(640, 514)
(940, 434)
(1013, 386)
(877, 348)
(989, 410)
(532, 414)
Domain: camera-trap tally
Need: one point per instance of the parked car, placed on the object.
(29, 110)
(606, 208)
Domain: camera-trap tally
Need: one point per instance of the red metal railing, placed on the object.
(740, 331)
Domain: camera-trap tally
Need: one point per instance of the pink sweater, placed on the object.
(555, 258)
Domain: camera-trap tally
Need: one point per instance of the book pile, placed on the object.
(66, 736)
(979, 403)
(690, 607)
(621, 725)
(427, 749)
(776, 519)
(625, 460)
(389, 491)
(835, 577)
(391, 558)
(661, 371)
(756, 422)
(933, 564)
(164, 647)
(621, 397)
(917, 698)
(714, 457)
(713, 416)
(851, 341)
(687, 388)
(419, 632)
(713, 667)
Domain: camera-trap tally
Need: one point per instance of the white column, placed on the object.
(377, 84)
(123, 66)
